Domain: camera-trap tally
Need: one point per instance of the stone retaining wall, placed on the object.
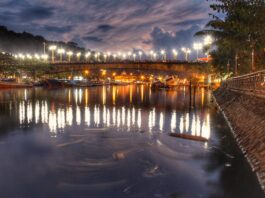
(246, 116)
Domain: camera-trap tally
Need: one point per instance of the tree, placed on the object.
(238, 27)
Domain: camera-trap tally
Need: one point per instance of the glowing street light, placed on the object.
(53, 48)
(105, 57)
(88, 54)
(175, 54)
(197, 47)
(164, 55)
(208, 40)
(36, 56)
(186, 51)
(78, 55)
(140, 55)
(44, 57)
(155, 56)
(134, 57)
(69, 54)
(61, 51)
(114, 57)
(28, 56)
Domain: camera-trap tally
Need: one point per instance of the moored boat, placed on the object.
(10, 85)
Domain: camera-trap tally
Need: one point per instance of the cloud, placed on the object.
(57, 29)
(104, 24)
(92, 39)
(34, 13)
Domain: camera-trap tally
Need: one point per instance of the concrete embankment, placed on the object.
(246, 117)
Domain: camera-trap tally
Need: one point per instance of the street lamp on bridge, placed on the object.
(69, 54)
(140, 55)
(164, 55)
(53, 48)
(78, 55)
(197, 47)
(175, 54)
(186, 51)
(61, 51)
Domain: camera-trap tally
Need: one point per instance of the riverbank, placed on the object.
(246, 117)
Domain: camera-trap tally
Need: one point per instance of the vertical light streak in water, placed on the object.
(154, 117)
(87, 116)
(37, 112)
(123, 116)
(161, 122)
(181, 124)
(78, 115)
(86, 97)
(29, 112)
(187, 122)
(69, 96)
(131, 94)
(76, 96)
(203, 96)
(96, 120)
(52, 123)
(193, 125)
(108, 118)
(25, 94)
(173, 122)
(133, 116)
(206, 128)
(198, 126)
(118, 118)
(69, 116)
(104, 95)
(139, 118)
(128, 119)
(80, 95)
(104, 115)
(114, 90)
(61, 118)
(150, 121)
(142, 93)
(114, 116)
(22, 112)
(44, 112)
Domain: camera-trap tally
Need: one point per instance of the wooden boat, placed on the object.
(11, 85)
(189, 137)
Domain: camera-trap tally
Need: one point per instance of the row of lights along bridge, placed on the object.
(162, 55)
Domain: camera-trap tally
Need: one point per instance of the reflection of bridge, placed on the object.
(176, 68)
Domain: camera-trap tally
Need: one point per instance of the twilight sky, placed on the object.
(109, 24)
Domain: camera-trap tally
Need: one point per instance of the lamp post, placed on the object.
(197, 47)
(78, 55)
(52, 48)
(69, 54)
(88, 54)
(140, 56)
(164, 55)
(175, 54)
(61, 51)
(186, 51)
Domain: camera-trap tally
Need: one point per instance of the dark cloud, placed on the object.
(92, 39)
(34, 13)
(107, 24)
(105, 28)
(57, 29)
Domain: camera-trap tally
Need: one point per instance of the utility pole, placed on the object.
(253, 65)
(236, 64)
(44, 48)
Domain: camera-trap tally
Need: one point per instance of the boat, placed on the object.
(189, 137)
(10, 85)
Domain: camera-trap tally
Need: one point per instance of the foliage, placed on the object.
(13, 42)
(238, 27)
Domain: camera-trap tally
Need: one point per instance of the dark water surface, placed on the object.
(114, 142)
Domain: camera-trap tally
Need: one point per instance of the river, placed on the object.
(114, 142)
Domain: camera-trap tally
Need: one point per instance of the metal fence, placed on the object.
(253, 83)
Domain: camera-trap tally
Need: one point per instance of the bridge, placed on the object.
(182, 69)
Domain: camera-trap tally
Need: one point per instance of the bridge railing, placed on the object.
(253, 83)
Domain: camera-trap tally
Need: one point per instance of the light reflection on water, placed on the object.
(114, 142)
(100, 115)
